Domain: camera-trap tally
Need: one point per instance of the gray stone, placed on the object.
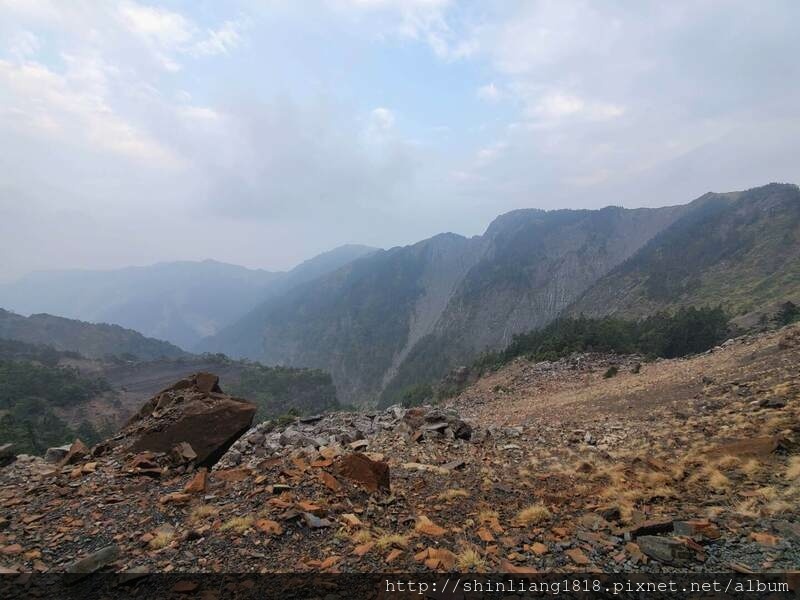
(256, 439)
(435, 426)
(94, 561)
(664, 549)
(461, 429)
(7, 455)
(314, 522)
(311, 419)
(290, 437)
(56, 454)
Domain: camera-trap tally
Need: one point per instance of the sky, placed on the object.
(263, 132)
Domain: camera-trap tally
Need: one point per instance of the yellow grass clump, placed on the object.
(471, 560)
(533, 514)
(452, 494)
(162, 539)
(238, 524)
(793, 468)
(388, 540)
(202, 512)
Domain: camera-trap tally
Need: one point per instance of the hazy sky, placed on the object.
(261, 133)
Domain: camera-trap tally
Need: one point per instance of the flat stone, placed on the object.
(56, 454)
(311, 419)
(664, 549)
(94, 561)
(651, 527)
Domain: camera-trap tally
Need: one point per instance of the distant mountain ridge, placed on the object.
(181, 302)
(93, 340)
(740, 250)
(384, 321)
(398, 317)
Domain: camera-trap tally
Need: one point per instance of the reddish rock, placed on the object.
(198, 483)
(76, 452)
(207, 383)
(696, 528)
(651, 527)
(371, 474)
(577, 556)
(11, 549)
(192, 415)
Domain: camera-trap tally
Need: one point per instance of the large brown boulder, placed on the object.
(370, 474)
(193, 411)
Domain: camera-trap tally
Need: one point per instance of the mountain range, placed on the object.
(405, 315)
(381, 321)
(93, 340)
(181, 302)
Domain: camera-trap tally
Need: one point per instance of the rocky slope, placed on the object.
(678, 465)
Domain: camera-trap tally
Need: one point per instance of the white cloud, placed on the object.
(423, 20)
(199, 113)
(23, 44)
(551, 107)
(489, 154)
(168, 34)
(557, 105)
(73, 107)
(381, 119)
(158, 25)
(222, 40)
(489, 92)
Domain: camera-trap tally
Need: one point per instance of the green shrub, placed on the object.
(611, 372)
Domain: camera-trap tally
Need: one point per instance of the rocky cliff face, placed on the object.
(534, 264)
(397, 317)
(738, 250)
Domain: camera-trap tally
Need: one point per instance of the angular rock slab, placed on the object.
(209, 427)
(370, 474)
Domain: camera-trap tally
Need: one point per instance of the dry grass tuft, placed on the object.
(533, 514)
(750, 467)
(487, 515)
(202, 512)
(728, 462)
(767, 493)
(471, 560)
(655, 479)
(717, 481)
(388, 540)
(452, 494)
(662, 491)
(238, 524)
(747, 508)
(793, 468)
(362, 536)
(779, 507)
(161, 540)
